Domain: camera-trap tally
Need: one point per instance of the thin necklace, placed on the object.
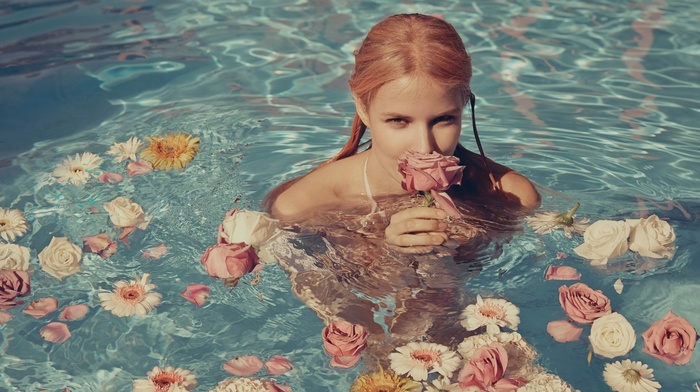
(386, 170)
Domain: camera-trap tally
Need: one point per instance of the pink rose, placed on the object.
(671, 339)
(485, 370)
(426, 172)
(229, 260)
(583, 304)
(344, 341)
(13, 284)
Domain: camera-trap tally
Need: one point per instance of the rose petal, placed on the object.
(55, 332)
(278, 365)
(345, 362)
(139, 167)
(443, 201)
(562, 255)
(74, 312)
(100, 244)
(110, 177)
(563, 331)
(125, 233)
(94, 210)
(41, 307)
(156, 252)
(196, 293)
(618, 286)
(244, 366)
(561, 272)
(273, 387)
(5, 317)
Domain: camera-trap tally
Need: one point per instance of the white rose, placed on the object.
(60, 258)
(652, 237)
(125, 213)
(604, 240)
(253, 228)
(14, 257)
(612, 335)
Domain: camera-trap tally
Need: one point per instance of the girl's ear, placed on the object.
(361, 111)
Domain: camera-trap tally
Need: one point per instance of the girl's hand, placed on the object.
(418, 227)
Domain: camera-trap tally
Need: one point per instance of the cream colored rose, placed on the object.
(604, 240)
(14, 257)
(612, 336)
(252, 227)
(125, 213)
(652, 237)
(60, 258)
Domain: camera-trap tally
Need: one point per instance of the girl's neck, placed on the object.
(383, 180)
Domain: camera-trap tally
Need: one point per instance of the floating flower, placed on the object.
(125, 213)
(547, 222)
(520, 353)
(12, 224)
(166, 380)
(196, 293)
(77, 169)
(344, 342)
(492, 313)
(125, 150)
(171, 151)
(55, 332)
(381, 381)
(417, 359)
(652, 237)
(671, 339)
(138, 168)
(244, 366)
(628, 376)
(582, 303)
(60, 258)
(604, 240)
(546, 382)
(563, 331)
(230, 261)
(133, 297)
(486, 368)
(561, 272)
(41, 307)
(278, 365)
(252, 227)
(74, 312)
(14, 257)
(612, 336)
(249, 385)
(13, 284)
(100, 244)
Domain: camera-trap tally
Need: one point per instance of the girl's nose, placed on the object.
(425, 142)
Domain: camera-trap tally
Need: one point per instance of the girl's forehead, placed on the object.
(415, 90)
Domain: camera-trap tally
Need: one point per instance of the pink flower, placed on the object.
(244, 366)
(344, 341)
(41, 307)
(563, 331)
(55, 332)
(196, 293)
(486, 368)
(229, 260)
(74, 312)
(583, 304)
(141, 166)
(425, 172)
(110, 177)
(671, 339)
(13, 284)
(278, 365)
(561, 272)
(155, 252)
(100, 244)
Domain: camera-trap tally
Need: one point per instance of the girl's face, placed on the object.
(413, 114)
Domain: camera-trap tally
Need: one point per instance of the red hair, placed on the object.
(400, 45)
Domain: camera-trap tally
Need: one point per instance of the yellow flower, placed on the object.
(382, 381)
(171, 151)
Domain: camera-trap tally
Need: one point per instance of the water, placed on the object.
(595, 101)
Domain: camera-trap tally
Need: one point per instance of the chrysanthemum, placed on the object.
(628, 376)
(547, 222)
(77, 169)
(131, 298)
(12, 224)
(166, 380)
(417, 359)
(171, 151)
(382, 381)
(244, 384)
(492, 313)
(126, 150)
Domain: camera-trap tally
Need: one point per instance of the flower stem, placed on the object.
(428, 199)
(567, 219)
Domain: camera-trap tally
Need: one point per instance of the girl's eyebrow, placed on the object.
(445, 113)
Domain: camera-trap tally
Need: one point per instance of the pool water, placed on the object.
(596, 102)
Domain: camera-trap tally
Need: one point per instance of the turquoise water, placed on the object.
(595, 101)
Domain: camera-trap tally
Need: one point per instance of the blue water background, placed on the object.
(596, 101)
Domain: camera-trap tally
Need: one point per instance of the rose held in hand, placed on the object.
(426, 172)
(671, 339)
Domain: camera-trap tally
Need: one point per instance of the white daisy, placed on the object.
(546, 382)
(492, 313)
(12, 224)
(131, 297)
(547, 222)
(628, 376)
(416, 358)
(126, 150)
(166, 380)
(77, 169)
(240, 385)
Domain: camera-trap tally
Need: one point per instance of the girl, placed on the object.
(410, 85)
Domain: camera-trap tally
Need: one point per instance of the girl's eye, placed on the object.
(445, 119)
(397, 121)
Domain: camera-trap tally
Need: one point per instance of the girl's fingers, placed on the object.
(419, 213)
